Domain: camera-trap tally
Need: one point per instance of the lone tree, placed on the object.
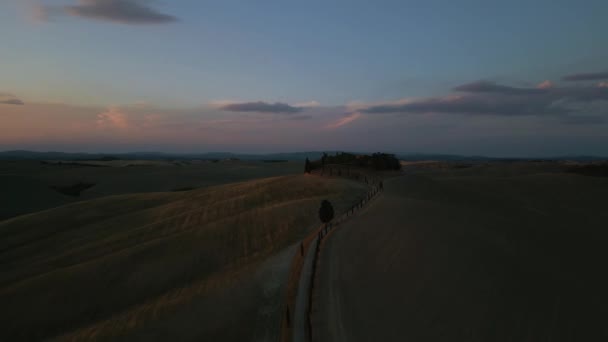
(307, 166)
(326, 212)
(323, 160)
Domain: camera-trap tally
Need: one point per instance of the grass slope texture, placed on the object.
(30, 186)
(154, 266)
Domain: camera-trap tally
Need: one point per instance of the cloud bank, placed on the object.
(10, 99)
(592, 76)
(489, 98)
(136, 12)
(491, 87)
(260, 107)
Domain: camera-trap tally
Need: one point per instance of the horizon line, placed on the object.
(399, 154)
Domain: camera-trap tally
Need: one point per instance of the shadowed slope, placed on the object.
(29, 186)
(470, 256)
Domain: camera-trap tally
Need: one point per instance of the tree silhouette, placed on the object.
(326, 212)
(307, 166)
(378, 161)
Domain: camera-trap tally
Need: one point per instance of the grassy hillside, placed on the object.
(185, 265)
(29, 186)
(503, 252)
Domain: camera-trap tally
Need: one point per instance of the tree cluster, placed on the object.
(377, 161)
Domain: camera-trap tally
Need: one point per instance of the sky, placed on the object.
(496, 78)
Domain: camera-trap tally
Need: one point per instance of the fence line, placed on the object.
(287, 322)
(322, 235)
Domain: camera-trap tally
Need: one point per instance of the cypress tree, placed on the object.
(326, 212)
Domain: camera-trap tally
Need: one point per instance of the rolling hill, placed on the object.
(491, 252)
(206, 263)
(29, 186)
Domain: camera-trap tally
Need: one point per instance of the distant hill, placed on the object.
(32, 155)
(312, 155)
(455, 157)
(30, 185)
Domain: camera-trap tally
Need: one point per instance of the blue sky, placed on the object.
(182, 55)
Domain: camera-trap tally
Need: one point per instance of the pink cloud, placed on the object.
(344, 121)
(545, 85)
(113, 117)
(308, 104)
(39, 13)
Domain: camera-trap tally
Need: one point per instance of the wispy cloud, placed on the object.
(545, 85)
(300, 117)
(40, 13)
(591, 76)
(112, 118)
(309, 104)
(10, 99)
(119, 11)
(260, 107)
(347, 119)
(491, 87)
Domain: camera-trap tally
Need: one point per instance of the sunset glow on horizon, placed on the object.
(194, 76)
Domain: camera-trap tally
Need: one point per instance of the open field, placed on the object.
(29, 186)
(489, 252)
(207, 264)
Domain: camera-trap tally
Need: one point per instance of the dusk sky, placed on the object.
(509, 78)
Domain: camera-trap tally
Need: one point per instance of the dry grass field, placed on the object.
(207, 264)
(28, 186)
(488, 252)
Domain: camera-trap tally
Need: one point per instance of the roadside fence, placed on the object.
(315, 240)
